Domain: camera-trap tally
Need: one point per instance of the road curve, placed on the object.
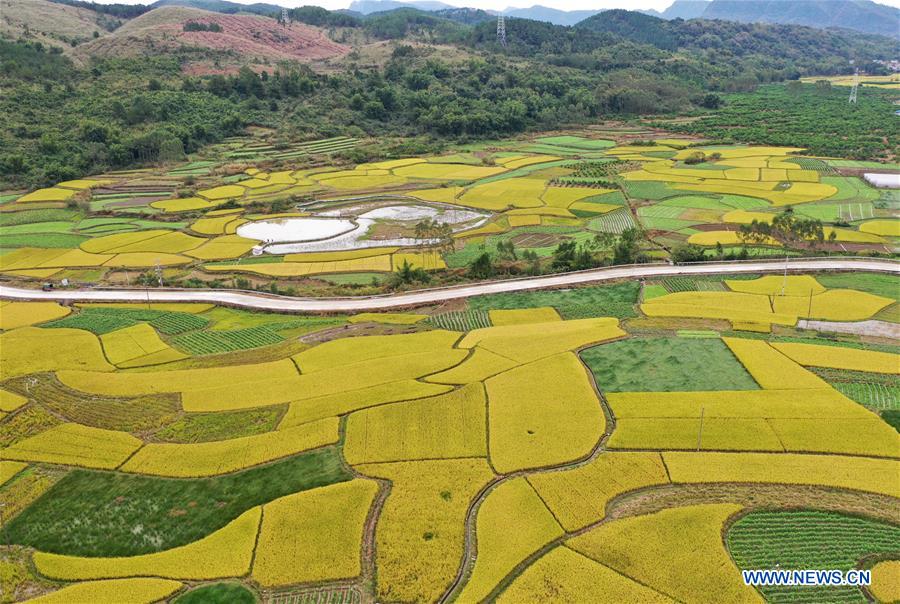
(262, 301)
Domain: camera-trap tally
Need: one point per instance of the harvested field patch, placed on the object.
(122, 414)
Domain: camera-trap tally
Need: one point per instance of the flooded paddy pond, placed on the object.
(357, 227)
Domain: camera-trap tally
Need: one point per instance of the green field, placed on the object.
(666, 365)
(95, 513)
(578, 303)
(808, 540)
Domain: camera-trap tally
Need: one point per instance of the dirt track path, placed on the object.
(261, 301)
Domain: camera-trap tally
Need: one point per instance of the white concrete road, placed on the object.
(261, 301)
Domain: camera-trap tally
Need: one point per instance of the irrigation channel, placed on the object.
(268, 302)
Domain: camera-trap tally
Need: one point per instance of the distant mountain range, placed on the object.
(860, 15)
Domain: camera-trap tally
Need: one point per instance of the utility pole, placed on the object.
(501, 30)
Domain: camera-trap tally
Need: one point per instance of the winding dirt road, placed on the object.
(262, 301)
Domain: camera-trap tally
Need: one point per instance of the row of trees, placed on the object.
(604, 249)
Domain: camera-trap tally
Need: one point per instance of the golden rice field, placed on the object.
(193, 228)
(590, 444)
(449, 431)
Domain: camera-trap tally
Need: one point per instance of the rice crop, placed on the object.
(678, 552)
(525, 343)
(481, 365)
(34, 350)
(543, 413)
(221, 457)
(499, 550)
(446, 426)
(521, 316)
(21, 314)
(123, 591)
(332, 405)
(858, 473)
(76, 445)
(420, 532)
(136, 346)
(885, 587)
(224, 553)
(837, 357)
(565, 575)
(313, 536)
(578, 496)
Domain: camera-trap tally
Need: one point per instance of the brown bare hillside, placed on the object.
(51, 23)
(242, 39)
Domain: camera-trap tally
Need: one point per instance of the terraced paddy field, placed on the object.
(650, 441)
(256, 213)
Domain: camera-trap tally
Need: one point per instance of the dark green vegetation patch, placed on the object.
(666, 365)
(878, 391)
(602, 301)
(463, 320)
(212, 342)
(100, 320)
(91, 513)
(218, 593)
(874, 283)
(808, 539)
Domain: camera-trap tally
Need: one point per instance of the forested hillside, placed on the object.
(65, 119)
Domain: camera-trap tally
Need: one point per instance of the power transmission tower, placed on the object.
(854, 90)
(285, 19)
(501, 30)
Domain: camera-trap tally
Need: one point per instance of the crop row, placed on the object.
(808, 539)
(348, 595)
(211, 342)
(460, 320)
(613, 222)
(104, 320)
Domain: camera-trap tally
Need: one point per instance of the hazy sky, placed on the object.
(488, 4)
